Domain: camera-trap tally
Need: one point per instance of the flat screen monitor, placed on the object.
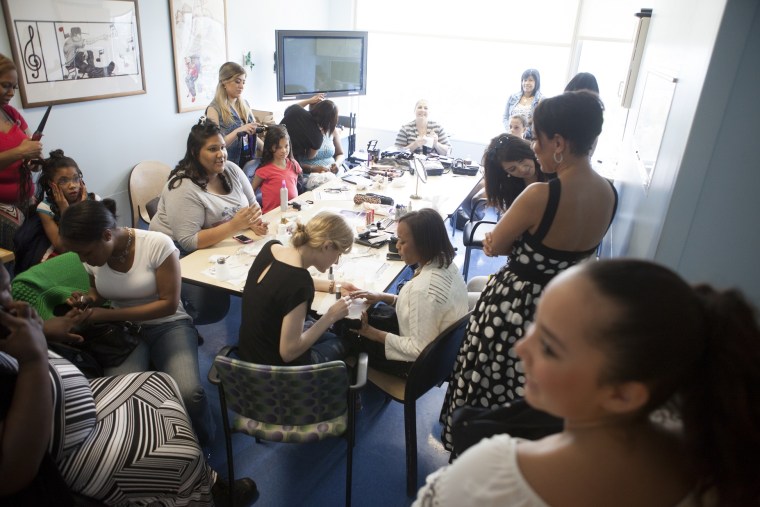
(330, 62)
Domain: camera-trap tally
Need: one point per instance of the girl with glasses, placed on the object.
(60, 185)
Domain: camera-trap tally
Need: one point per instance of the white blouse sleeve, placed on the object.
(486, 475)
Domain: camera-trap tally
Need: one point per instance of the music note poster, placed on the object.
(75, 51)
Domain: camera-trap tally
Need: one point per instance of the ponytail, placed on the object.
(698, 352)
(720, 408)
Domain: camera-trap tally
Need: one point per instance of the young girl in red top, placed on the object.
(277, 165)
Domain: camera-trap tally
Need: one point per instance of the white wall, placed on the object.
(108, 137)
(699, 214)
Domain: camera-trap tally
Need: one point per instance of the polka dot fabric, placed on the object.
(487, 372)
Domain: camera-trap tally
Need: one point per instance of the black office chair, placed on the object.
(432, 367)
(472, 238)
(349, 122)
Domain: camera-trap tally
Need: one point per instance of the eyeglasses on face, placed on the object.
(65, 180)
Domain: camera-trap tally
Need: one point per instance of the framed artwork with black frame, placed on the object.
(75, 51)
(199, 40)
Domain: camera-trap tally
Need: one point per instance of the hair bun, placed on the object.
(57, 153)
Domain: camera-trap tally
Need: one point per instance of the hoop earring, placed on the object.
(561, 158)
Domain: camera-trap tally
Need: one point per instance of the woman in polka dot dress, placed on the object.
(549, 227)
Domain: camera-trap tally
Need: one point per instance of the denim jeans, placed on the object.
(172, 347)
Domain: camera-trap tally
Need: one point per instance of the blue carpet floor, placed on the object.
(314, 474)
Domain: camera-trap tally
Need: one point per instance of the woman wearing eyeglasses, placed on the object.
(16, 147)
(549, 227)
(232, 113)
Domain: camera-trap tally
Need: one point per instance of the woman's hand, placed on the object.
(82, 192)
(370, 296)
(260, 227)
(25, 340)
(79, 300)
(247, 128)
(347, 288)
(339, 309)
(316, 99)
(488, 245)
(59, 197)
(58, 329)
(245, 217)
(370, 332)
(334, 168)
(29, 149)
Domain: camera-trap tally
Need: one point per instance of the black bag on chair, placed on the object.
(518, 419)
(110, 342)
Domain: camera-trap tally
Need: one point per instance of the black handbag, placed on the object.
(110, 342)
(470, 425)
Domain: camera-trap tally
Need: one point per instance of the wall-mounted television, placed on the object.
(330, 62)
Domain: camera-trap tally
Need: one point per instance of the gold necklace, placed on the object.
(124, 255)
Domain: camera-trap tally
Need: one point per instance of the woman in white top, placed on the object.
(657, 383)
(431, 301)
(138, 271)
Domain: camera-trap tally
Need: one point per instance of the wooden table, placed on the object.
(364, 266)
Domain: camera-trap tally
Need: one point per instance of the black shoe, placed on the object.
(244, 492)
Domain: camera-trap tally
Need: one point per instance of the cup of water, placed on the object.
(222, 270)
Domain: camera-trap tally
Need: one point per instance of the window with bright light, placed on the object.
(466, 58)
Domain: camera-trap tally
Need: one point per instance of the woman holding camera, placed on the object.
(232, 113)
(421, 135)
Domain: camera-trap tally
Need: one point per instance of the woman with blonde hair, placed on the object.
(279, 292)
(422, 135)
(232, 113)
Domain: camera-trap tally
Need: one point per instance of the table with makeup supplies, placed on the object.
(365, 266)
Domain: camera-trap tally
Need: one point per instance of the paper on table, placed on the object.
(238, 266)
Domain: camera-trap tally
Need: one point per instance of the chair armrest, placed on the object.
(475, 228)
(213, 375)
(361, 372)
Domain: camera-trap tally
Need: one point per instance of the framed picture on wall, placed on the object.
(199, 38)
(75, 51)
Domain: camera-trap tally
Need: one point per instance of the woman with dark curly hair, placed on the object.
(207, 198)
(510, 165)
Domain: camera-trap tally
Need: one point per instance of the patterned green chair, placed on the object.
(291, 404)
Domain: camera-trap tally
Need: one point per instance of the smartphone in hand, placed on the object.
(242, 238)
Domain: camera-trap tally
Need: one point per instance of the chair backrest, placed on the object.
(284, 395)
(146, 181)
(436, 361)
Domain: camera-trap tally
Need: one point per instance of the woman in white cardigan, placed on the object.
(433, 299)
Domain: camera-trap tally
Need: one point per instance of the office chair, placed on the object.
(146, 181)
(472, 238)
(290, 404)
(432, 367)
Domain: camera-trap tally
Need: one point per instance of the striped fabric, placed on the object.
(125, 440)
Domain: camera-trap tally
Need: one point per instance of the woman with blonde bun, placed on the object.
(279, 292)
